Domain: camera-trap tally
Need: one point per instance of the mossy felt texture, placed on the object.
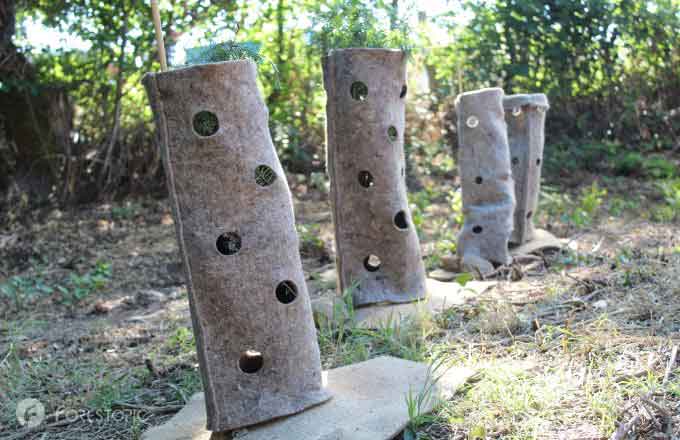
(258, 353)
(377, 247)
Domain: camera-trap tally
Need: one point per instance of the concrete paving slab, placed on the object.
(443, 275)
(542, 240)
(440, 296)
(369, 403)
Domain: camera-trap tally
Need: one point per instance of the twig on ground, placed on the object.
(640, 373)
(152, 369)
(180, 391)
(668, 420)
(26, 432)
(651, 417)
(9, 352)
(597, 246)
(151, 409)
(622, 432)
(671, 364)
(593, 294)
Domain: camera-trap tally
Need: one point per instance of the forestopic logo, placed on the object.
(30, 413)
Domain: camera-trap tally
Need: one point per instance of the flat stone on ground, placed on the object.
(542, 240)
(369, 403)
(443, 275)
(440, 296)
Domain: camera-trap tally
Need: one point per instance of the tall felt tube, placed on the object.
(251, 312)
(525, 115)
(378, 251)
(486, 180)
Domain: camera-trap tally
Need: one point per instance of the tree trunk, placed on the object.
(36, 119)
(105, 176)
(275, 95)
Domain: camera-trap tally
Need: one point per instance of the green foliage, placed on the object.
(628, 164)
(659, 167)
(417, 403)
(181, 342)
(227, 51)
(670, 191)
(342, 341)
(464, 278)
(22, 291)
(340, 24)
(618, 205)
(206, 123)
(635, 163)
(455, 199)
(606, 156)
(25, 290)
(310, 236)
(418, 202)
(535, 45)
(125, 211)
(443, 233)
(569, 155)
(102, 76)
(609, 67)
(79, 287)
(589, 203)
(91, 383)
(579, 212)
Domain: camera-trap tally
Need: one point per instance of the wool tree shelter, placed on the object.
(525, 116)
(378, 251)
(486, 180)
(251, 313)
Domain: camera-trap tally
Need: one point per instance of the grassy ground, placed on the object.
(95, 324)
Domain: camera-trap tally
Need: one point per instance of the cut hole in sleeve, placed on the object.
(401, 221)
(228, 243)
(365, 179)
(392, 133)
(251, 361)
(264, 175)
(286, 292)
(372, 263)
(206, 123)
(359, 91)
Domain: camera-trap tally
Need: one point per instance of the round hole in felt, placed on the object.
(286, 292)
(372, 263)
(251, 361)
(401, 221)
(206, 123)
(359, 91)
(264, 175)
(228, 243)
(366, 179)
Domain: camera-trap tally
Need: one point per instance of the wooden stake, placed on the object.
(159, 35)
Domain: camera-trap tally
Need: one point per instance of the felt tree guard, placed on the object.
(250, 309)
(525, 116)
(378, 251)
(486, 180)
